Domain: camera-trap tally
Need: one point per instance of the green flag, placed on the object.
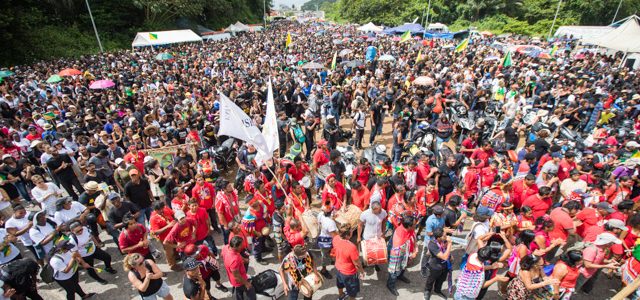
(463, 45)
(506, 61)
(405, 36)
(333, 62)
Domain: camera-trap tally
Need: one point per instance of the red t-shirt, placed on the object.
(233, 262)
(538, 206)
(360, 198)
(204, 194)
(321, 157)
(159, 221)
(335, 199)
(589, 217)
(182, 233)
(346, 254)
(468, 143)
(137, 160)
(362, 174)
(180, 203)
(243, 235)
(521, 192)
(425, 199)
(402, 235)
(487, 176)
(562, 224)
(298, 174)
(423, 171)
(131, 237)
(294, 237)
(200, 218)
(227, 205)
(482, 155)
(564, 168)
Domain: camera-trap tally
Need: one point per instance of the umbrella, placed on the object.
(54, 79)
(345, 52)
(6, 73)
(387, 57)
(164, 56)
(312, 65)
(337, 42)
(101, 84)
(491, 58)
(352, 63)
(70, 72)
(423, 80)
(544, 55)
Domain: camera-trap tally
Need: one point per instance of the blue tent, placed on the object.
(413, 28)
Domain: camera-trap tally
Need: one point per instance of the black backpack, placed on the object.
(47, 273)
(264, 281)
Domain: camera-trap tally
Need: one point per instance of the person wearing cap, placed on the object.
(630, 149)
(590, 217)
(65, 266)
(88, 198)
(627, 168)
(135, 158)
(194, 286)
(572, 183)
(138, 191)
(68, 210)
(89, 249)
(594, 260)
(146, 277)
(133, 237)
(115, 213)
(121, 173)
(183, 233)
(439, 248)
(320, 166)
(619, 190)
(479, 234)
(61, 167)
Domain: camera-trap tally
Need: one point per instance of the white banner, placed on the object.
(235, 123)
(269, 129)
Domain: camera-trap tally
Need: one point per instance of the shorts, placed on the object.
(319, 183)
(161, 293)
(351, 283)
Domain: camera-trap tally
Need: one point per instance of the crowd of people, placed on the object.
(547, 217)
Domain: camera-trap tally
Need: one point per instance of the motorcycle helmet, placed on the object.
(381, 149)
(423, 125)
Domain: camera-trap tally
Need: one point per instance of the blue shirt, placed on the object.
(431, 224)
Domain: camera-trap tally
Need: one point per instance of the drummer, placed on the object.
(334, 192)
(320, 159)
(298, 199)
(371, 224)
(300, 171)
(297, 265)
(328, 230)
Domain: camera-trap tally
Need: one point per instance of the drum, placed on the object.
(349, 215)
(266, 230)
(305, 182)
(311, 280)
(324, 171)
(374, 251)
(310, 218)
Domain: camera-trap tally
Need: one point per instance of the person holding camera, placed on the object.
(476, 276)
(440, 253)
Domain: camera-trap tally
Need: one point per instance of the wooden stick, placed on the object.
(627, 290)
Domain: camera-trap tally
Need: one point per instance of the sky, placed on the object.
(297, 3)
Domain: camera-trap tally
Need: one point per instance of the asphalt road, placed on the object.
(372, 287)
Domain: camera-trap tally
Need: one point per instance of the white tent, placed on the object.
(144, 39)
(370, 27)
(582, 32)
(217, 36)
(237, 27)
(624, 38)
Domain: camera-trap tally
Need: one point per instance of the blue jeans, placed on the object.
(351, 283)
(375, 130)
(145, 214)
(319, 183)
(397, 154)
(22, 190)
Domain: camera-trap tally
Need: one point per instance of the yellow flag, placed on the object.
(405, 36)
(419, 57)
(288, 40)
(463, 45)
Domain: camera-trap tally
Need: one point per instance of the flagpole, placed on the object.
(617, 10)
(428, 12)
(94, 26)
(554, 19)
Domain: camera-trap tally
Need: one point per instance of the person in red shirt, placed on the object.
(378, 192)
(426, 198)
(403, 249)
(397, 197)
(347, 264)
(297, 199)
(227, 207)
(334, 192)
(625, 210)
(182, 234)
(483, 153)
(360, 195)
(160, 224)
(540, 202)
(546, 157)
(562, 218)
(234, 265)
(619, 191)
(320, 165)
(424, 171)
(235, 229)
(136, 158)
(362, 173)
(203, 226)
(470, 144)
(295, 233)
(180, 201)
(523, 189)
(299, 169)
(133, 239)
(261, 195)
(566, 165)
(488, 175)
(203, 193)
(208, 266)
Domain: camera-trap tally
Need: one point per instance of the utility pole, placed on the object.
(554, 19)
(264, 13)
(617, 10)
(428, 12)
(94, 26)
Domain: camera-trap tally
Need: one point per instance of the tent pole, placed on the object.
(617, 10)
(554, 19)
(428, 13)
(94, 26)
(623, 59)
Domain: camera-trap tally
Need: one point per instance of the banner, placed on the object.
(235, 123)
(165, 155)
(269, 129)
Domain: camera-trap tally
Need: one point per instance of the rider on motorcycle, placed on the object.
(443, 129)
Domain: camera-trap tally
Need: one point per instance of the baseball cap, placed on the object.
(615, 223)
(606, 206)
(483, 211)
(607, 238)
(134, 172)
(190, 263)
(113, 196)
(438, 210)
(179, 214)
(119, 160)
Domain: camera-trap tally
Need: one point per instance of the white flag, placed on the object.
(235, 123)
(269, 129)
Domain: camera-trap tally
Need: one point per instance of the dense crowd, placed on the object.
(545, 182)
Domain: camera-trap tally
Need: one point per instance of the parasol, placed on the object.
(101, 84)
(345, 52)
(164, 56)
(386, 57)
(312, 65)
(70, 72)
(424, 80)
(54, 79)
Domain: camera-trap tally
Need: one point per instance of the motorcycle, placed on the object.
(376, 154)
(349, 161)
(458, 114)
(225, 154)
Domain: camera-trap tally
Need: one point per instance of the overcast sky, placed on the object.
(298, 3)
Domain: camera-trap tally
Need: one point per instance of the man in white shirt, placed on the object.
(67, 210)
(371, 224)
(328, 230)
(18, 225)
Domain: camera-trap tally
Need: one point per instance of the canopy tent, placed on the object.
(217, 36)
(201, 30)
(144, 39)
(581, 32)
(411, 27)
(370, 27)
(624, 38)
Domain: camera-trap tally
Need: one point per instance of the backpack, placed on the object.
(298, 134)
(266, 280)
(47, 273)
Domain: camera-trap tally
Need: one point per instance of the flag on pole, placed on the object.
(463, 45)
(269, 130)
(333, 62)
(235, 123)
(554, 49)
(288, 40)
(419, 57)
(506, 61)
(153, 36)
(405, 36)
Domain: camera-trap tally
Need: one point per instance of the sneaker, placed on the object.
(222, 288)
(376, 268)
(102, 281)
(326, 274)
(111, 270)
(404, 279)
(262, 261)
(393, 291)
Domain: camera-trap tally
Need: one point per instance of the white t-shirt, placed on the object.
(39, 233)
(62, 216)
(327, 225)
(372, 224)
(20, 224)
(8, 252)
(85, 245)
(49, 202)
(59, 262)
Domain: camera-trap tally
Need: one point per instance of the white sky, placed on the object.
(298, 3)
